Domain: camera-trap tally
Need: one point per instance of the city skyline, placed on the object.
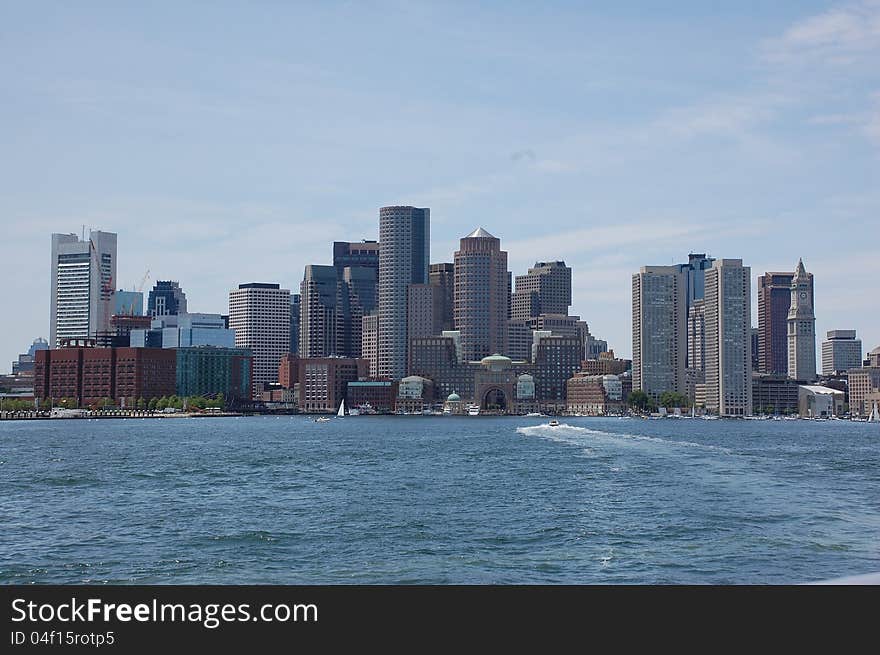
(780, 147)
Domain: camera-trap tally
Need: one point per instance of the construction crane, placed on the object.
(144, 281)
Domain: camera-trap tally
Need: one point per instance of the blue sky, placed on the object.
(232, 142)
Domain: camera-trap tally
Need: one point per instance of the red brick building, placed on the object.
(323, 381)
(88, 375)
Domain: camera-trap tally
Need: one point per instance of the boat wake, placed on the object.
(580, 436)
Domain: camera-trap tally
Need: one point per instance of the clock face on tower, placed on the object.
(803, 294)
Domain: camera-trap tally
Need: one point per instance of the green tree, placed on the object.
(639, 400)
(153, 404)
(140, 403)
(162, 403)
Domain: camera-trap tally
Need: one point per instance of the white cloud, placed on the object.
(842, 35)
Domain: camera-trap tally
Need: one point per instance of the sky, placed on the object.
(233, 142)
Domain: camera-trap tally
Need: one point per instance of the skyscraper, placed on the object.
(260, 315)
(659, 297)
(481, 294)
(546, 289)
(442, 276)
(356, 254)
(774, 301)
(841, 352)
(294, 322)
(83, 274)
(801, 327)
(318, 312)
(166, 298)
(728, 386)
(404, 254)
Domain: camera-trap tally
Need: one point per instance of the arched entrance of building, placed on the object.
(495, 400)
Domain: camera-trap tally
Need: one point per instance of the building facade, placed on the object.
(594, 395)
(166, 298)
(841, 351)
(323, 381)
(83, 274)
(864, 384)
(404, 252)
(260, 315)
(659, 310)
(87, 375)
(728, 385)
(545, 289)
(801, 327)
(442, 276)
(208, 371)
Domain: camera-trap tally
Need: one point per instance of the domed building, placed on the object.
(453, 404)
(494, 384)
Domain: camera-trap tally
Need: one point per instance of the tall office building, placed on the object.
(370, 342)
(442, 276)
(841, 352)
(318, 312)
(424, 311)
(659, 316)
(801, 327)
(166, 298)
(481, 294)
(294, 322)
(260, 315)
(356, 254)
(774, 302)
(83, 274)
(728, 387)
(404, 254)
(546, 289)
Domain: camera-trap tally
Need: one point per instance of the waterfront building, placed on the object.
(404, 251)
(23, 367)
(659, 311)
(774, 393)
(371, 394)
(774, 303)
(519, 339)
(442, 276)
(88, 375)
(83, 273)
(728, 385)
(414, 394)
(841, 352)
(481, 294)
(495, 382)
(801, 327)
(556, 360)
(438, 358)
(208, 371)
(128, 303)
(545, 289)
(260, 315)
(323, 381)
(166, 298)
(816, 401)
(864, 383)
(594, 395)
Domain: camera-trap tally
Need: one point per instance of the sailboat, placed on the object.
(341, 412)
(875, 415)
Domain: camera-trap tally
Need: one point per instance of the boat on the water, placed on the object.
(553, 423)
(875, 414)
(473, 410)
(322, 419)
(341, 412)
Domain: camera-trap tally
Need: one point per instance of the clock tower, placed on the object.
(802, 327)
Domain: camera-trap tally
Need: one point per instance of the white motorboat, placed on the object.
(553, 423)
(322, 419)
(473, 410)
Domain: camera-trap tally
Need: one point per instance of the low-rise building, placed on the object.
(774, 394)
(594, 395)
(863, 382)
(323, 381)
(815, 401)
(208, 371)
(372, 395)
(414, 394)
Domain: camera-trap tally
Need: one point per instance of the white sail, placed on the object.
(875, 415)
(341, 411)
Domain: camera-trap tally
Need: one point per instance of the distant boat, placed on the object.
(875, 414)
(341, 412)
(473, 410)
(534, 414)
(553, 423)
(322, 419)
